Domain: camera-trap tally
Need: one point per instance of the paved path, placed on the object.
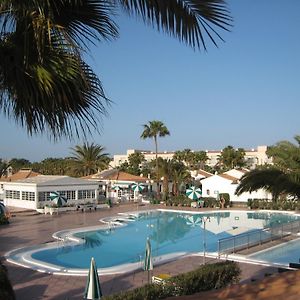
(30, 229)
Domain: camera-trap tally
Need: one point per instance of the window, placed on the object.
(12, 194)
(70, 195)
(44, 196)
(86, 194)
(29, 196)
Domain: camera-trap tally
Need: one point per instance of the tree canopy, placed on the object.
(231, 158)
(281, 178)
(89, 158)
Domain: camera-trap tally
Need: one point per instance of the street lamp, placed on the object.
(204, 220)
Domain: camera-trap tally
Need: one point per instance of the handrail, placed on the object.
(246, 240)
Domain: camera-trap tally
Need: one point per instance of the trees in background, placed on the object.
(231, 158)
(175, 172)
(135, 164)
(282, 178)
(153, 130)
(54, 166)
(192, 159)
(19, 163)
(89, 159)
(3, 167)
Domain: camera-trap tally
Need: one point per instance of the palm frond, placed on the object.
(61, 95)
(85, 20)
(191, 21)
(273, 180)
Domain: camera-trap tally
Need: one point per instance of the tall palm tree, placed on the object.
(283, 178)
(46, 85)
(155, 129)
(89, 158)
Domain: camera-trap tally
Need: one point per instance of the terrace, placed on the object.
(28, 228)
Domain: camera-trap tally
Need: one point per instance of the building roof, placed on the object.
(46, 180)
(204, 173)
(116, 175)
(226, 176)
(20, 175)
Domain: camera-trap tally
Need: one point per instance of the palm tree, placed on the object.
(192, 159)
(155, 129)
(165, 169)
(44, 82)
(46, 85)
(283, 178)
(180, 175)
(89, 158)
(231, 158)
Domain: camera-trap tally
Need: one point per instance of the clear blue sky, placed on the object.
(245, 93)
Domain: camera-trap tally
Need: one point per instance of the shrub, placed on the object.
(6, 290)
(268, 204)
(207, 277)
(180, 200)
(249, 203)
(3, 219)
(154, 201)
(209, 202)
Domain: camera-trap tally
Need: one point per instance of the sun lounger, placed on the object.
(161, 278)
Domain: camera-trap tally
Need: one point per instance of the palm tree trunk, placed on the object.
(157, 171)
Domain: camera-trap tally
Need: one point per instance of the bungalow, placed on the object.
(21, 174)
(34, 192)
(225, 183)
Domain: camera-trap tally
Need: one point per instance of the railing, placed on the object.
(257, 237)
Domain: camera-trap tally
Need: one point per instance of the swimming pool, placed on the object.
(119, 245)
(283, 254)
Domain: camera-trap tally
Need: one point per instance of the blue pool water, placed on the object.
(169, 232)
(283, 254)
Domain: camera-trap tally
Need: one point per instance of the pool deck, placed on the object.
(29, 228)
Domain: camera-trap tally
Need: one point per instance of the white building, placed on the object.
(34, 192)
(225, 183)
(119, 159)
(253, 157)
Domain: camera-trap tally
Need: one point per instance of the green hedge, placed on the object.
(268, 204)
(6, 291)
(181, 200)
(207, 277)
(210, 202)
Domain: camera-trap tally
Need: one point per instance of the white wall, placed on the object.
(20, 203)
(222, 185)
(213, 184)
(32, 187)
